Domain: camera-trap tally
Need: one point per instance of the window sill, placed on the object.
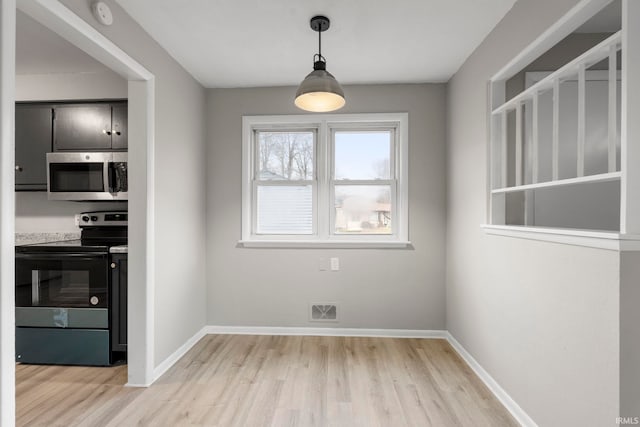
(324, 244)
(609, 240)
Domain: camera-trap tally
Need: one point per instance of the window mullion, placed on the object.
(254, 207)
(323, 207)
(394, 155)
(394, 208)
(331, 164)
(317, 173)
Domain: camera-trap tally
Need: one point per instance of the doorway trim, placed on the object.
(7, 212)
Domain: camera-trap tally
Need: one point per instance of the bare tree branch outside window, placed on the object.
(286, 155)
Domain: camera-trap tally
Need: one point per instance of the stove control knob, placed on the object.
(94, 218)
(85, 218)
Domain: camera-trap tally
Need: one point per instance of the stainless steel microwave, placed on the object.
(87, 176)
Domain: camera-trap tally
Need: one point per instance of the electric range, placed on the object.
(65, 310)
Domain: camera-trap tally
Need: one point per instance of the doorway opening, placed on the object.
(140, 93)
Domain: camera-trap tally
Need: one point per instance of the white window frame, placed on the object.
(323, 180)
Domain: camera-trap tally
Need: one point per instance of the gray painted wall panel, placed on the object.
(59, 87)
(375, 288)
(630, 335)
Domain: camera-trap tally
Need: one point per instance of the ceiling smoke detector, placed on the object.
(102, 13)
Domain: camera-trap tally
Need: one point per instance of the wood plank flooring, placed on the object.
(246, 380)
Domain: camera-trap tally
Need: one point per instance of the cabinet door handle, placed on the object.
(108, 132)
(113, 265)
(19, 168)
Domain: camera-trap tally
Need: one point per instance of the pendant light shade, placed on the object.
(319, 91)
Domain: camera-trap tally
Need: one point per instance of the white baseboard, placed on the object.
(134, 385)
(516, 411)
(167, 363)
(329, 332)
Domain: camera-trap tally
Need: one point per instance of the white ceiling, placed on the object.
(249, 43)
(41, 51)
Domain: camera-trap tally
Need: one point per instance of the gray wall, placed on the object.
(567, 49)
(66, 86)
(179, 182)
(391, 289)
(34, 213)
(541, 318)
(629, 335)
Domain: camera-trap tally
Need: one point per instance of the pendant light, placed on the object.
(319, 91)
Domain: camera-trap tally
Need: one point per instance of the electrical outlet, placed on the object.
(335, 264)
(322, 264)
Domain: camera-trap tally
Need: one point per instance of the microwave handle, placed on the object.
(112, 177)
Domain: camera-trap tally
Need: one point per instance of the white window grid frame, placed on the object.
(323, 199)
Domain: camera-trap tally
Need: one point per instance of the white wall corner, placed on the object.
(166, 364)
(516, 411)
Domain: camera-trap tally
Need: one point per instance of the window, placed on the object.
(325, 180)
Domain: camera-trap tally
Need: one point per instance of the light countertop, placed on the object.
(45, 237)
(122, 249)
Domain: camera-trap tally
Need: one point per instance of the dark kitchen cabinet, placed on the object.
(119, 127)
(119, 302)
(33, 142)
(90, 127)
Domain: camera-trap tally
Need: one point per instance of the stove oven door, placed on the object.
(70, 280)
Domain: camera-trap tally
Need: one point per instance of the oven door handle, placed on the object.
(58, 256)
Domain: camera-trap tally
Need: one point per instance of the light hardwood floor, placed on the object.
(246, 380)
